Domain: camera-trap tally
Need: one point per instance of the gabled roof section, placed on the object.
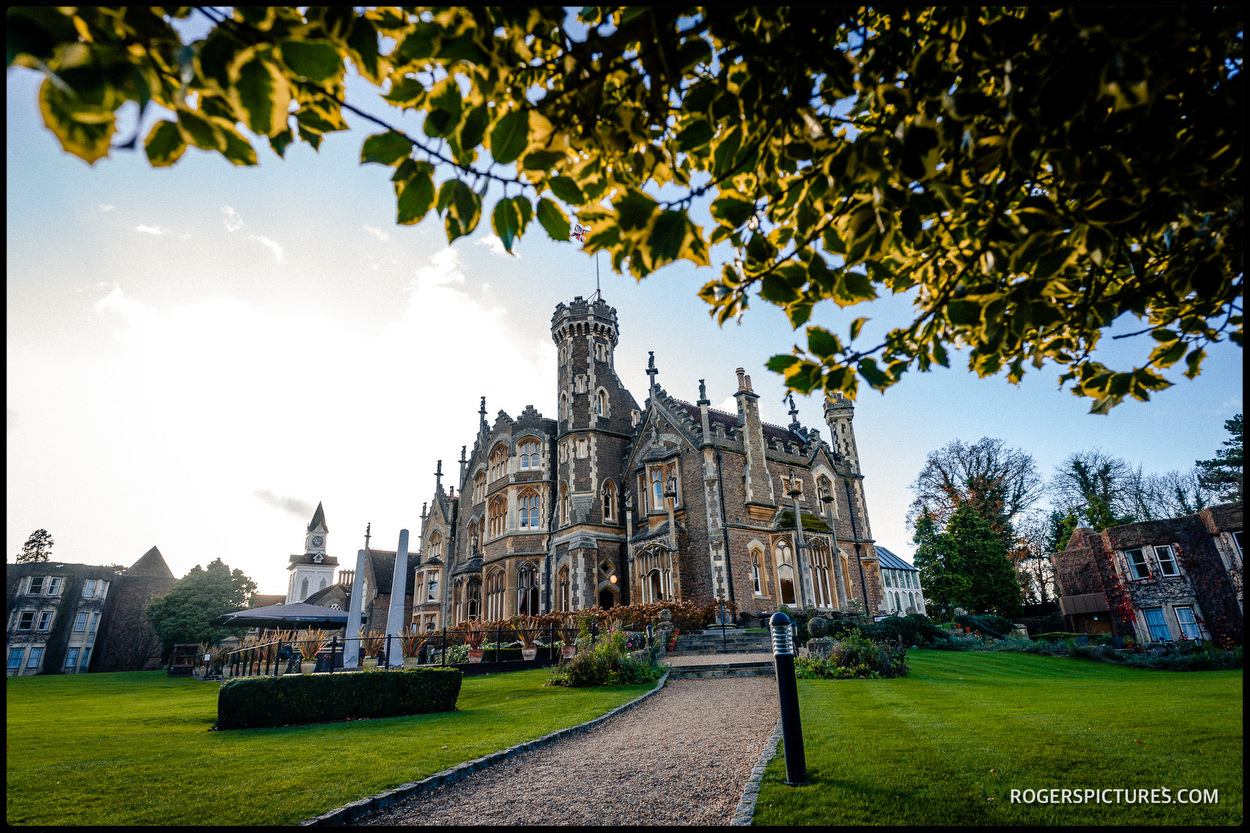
(152, 565)
(889, 561)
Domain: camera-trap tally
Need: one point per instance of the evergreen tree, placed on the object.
(1224, 473)
(982, 558)
(941, 572)
(186, 612)
(38, 547)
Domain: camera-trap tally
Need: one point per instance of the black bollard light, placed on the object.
(788, 692)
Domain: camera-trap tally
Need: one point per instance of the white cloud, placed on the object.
(377, 232)
(273, 246)
(233, 221)
(495, 245)
(107, 207)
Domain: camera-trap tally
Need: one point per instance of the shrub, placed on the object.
(255, 702)
(854, 655)
(987, 624)
(914, 629)
(609, 662)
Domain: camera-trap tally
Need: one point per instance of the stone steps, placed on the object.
(712, 642)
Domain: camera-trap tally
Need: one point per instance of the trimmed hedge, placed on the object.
(256, 702)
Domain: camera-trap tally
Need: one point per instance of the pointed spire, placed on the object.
(318, 519)
(368, 526)
(651, 370)
(795, 425)
(438, 477)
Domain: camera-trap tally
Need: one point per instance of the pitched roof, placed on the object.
(890, 561)
(152, 564)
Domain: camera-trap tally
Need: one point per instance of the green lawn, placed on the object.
(137, 748)
(949, 743)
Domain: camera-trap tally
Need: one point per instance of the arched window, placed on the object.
(436, 544)
(528, 455)
(609, 501)
(494, 594)
(528, 501)
(822, 574)
(757, 571)
(601, 402)
(824, 488)
(655, 569)
(785, 572)
(563, 598)
(498, 462)
(527, 590)
(495, 516)
(657, 489)
(457, 601)
(473, 599)
(564, 503)
(303, 590)
(479, 487)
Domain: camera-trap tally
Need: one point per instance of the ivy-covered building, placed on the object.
(73, 618)
(1157, 581)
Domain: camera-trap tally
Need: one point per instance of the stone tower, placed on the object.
(595, 424)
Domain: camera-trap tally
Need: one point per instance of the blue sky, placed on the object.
(198, 355)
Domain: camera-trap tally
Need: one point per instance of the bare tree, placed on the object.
(998, 482)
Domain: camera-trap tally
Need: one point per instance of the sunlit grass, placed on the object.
(137, 748)
(948, 744)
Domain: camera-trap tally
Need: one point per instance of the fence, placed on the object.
(275, 656)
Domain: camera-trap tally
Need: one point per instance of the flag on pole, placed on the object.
(579, 232)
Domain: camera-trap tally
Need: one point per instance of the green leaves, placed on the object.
(1023, 197)
(509, 220)
(414, 191)
(164, 144)
(509, 137)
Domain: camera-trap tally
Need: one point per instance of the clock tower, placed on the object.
(312, 570)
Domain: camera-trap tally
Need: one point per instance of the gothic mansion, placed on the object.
(613, 503)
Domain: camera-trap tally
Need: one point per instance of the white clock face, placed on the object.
(318, 540)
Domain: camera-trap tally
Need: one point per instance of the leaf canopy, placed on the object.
(1028, 176)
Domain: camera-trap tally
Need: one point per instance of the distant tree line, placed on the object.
(986, 521)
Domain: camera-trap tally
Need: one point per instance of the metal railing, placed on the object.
(277, 656)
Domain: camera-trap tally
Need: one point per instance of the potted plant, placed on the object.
(474, 633)
(411, 642)
(568, 635)
(370, 645)
(527, 630)
(313, 643)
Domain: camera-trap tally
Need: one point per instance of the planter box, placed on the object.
(475, 654)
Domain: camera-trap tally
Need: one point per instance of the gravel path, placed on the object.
(680, 757)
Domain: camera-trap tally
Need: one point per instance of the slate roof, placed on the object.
(889, 561)
(152, 564)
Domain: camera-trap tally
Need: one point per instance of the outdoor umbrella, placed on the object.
(298, 614)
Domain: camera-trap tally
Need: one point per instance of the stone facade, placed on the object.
(1157, 581)
(612, 503)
